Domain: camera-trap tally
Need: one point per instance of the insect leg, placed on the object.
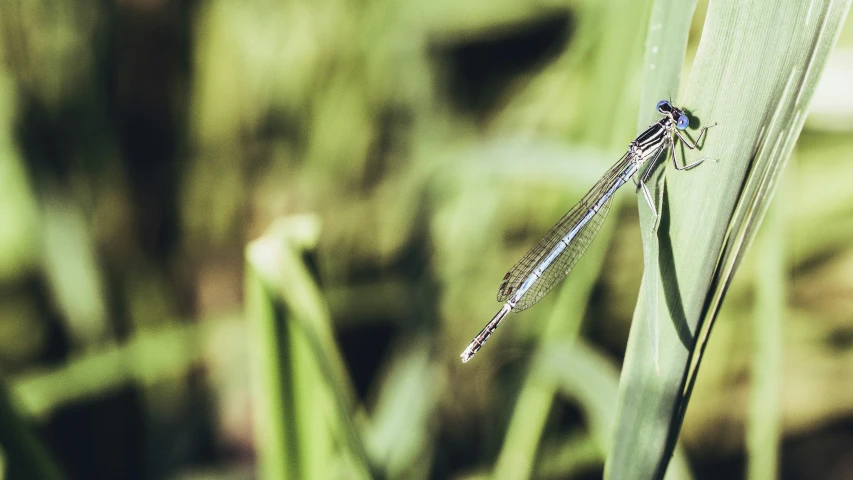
(675, 159)
(687, 142)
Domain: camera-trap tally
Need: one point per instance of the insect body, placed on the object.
(553, 257)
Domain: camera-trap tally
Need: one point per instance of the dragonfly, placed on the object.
(554, 256)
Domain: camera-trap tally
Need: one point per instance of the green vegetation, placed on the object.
(251, 239)
(760, 112)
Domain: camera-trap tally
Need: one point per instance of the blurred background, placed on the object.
(423, 147)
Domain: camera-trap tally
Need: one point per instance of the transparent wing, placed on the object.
(567, 259)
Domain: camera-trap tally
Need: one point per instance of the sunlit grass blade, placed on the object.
(146, 359)
(24, 455)
(399, 438)
(578, 452)
(763, 429)
(304, 401)
(71, 268)
(19, 213)
(592, 380)
(612, 73)
(758, 97)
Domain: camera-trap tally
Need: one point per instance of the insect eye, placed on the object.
(683, 122)
(664, 106)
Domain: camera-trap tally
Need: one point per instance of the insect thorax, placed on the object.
(650, 142)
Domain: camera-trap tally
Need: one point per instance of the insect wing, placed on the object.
(567, 259)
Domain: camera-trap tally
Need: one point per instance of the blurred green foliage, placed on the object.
(251, 238)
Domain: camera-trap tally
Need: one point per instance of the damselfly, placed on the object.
(553, 257)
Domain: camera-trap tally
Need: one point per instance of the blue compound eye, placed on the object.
(664, 106)
(683, 122)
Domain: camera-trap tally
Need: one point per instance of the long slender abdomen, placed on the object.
(485, 333)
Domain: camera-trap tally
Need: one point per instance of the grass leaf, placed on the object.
(24, 455)
(755, 71)
(305, 404)
(763, 429)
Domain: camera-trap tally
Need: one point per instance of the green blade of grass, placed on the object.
(18, 205)
(305, 404)
(146, 359)
(755, 72)
(764, 421)
(399, 438)
(24, 455)
(592, 380)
